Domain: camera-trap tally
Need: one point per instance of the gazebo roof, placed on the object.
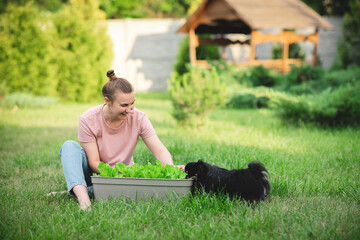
(240, 16)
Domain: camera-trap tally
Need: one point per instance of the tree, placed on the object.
(25, 51)
(64, 54)
(145, 8)
(329, 7)
(84, 50)
(50, 5)
(349, 46)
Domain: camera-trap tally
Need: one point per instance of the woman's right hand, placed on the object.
(92, 154)
(182, 167)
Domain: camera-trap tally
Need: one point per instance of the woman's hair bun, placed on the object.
(111, 74)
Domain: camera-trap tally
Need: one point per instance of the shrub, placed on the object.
(244, 98)
(341, 77)
(25, 51)
(229, 74)
(339, 107)
(259, 76)
(303, 73)
(55, 54)
(245, 101)
(194, 94)
(83, 52)
(123, 9)
(48, 5)
(332, 79)
(144, 9)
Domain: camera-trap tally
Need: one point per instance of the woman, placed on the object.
(108, 133)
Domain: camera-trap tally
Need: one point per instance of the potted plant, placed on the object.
(140, 181)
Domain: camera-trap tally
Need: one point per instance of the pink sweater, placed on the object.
(114, 144)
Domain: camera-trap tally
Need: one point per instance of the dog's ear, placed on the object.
(202, 167)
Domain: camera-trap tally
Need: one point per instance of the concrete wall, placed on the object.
(328, 42)
(145, 49)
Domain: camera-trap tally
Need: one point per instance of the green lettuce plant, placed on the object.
(141, 171)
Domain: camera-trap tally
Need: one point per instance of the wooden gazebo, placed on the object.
(221, 17)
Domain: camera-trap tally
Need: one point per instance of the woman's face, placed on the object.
(122, 105)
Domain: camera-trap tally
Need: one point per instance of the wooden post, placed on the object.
(192, 46)
(253, 47)
(285, 55)
(223, 48)
(315, 59)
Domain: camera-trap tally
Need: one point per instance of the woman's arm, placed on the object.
(158, 149)
(92, 154)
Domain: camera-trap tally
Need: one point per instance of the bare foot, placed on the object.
(54, 194)
(84, 206)
(82, 195)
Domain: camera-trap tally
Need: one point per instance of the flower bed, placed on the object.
(139, 182)
(139, 188)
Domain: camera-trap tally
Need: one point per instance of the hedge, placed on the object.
(63, 54)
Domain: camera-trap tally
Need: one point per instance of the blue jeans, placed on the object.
(75, 165)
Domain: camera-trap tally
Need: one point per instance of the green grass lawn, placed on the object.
(314, 174)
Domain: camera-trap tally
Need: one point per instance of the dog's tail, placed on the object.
(258, 169)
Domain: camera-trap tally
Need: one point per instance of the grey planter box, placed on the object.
(139, 188)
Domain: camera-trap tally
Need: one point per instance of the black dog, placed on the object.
(250, 184)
